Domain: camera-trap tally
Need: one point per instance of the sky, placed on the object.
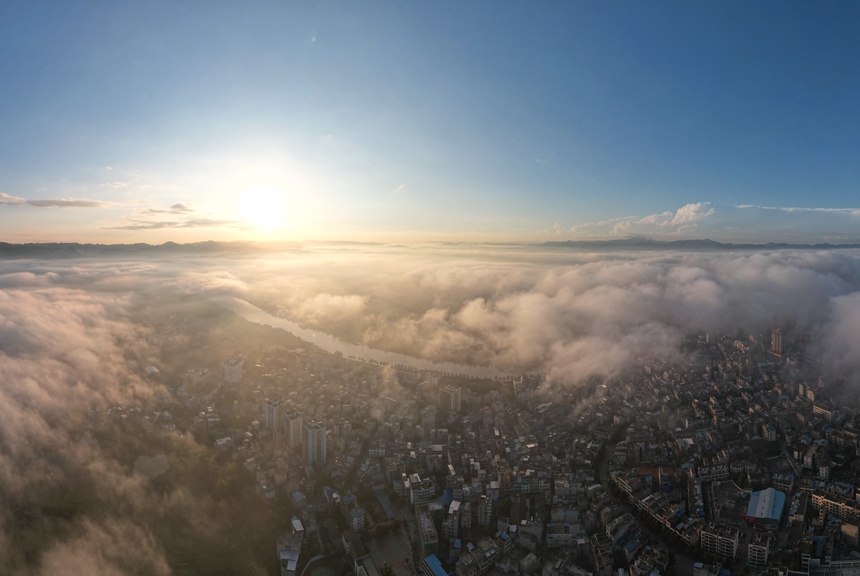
(162, 121)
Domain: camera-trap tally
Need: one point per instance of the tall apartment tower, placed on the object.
(777, 342)
(314, 442)
(273, 414)
(450, 398)
(233, 371)
(293, 424)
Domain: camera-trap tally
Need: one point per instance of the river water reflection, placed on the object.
(331, 344)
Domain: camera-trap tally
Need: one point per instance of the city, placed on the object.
(735, 459)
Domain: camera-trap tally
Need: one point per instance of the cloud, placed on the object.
(67, 203)
(555, 230)
(570, 316)
(175, 209)
(72, 346)
(176, 216)
(69, 342)
(207, 223)
(112, 548)
(7, 200)
(838, 337)
(62, 354)
(328, 306)
(734, 224)
(544, 160)
(135, 224)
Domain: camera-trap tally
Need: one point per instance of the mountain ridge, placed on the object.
(63, 250)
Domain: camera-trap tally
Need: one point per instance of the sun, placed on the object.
(263, 207)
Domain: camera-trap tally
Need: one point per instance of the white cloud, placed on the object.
(568, 315)
(7, 200)
(758, 224)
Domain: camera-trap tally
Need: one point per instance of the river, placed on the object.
(331, 344)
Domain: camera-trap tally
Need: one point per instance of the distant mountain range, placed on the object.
(52, 250)
(649, 244)
(76, 250)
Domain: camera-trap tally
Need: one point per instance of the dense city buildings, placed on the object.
(734, 456)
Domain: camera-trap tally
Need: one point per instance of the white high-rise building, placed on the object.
(273, 414)
(293, 423)
(314, 442)
(233, 371)
(777, 342)
(450, 398)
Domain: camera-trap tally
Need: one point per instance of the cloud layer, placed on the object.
(573, 316)
(519, 309)
(757, 224)
(63, 353)
(69, 343)
(570, 316)
(71, 348)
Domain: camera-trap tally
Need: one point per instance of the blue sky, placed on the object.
(127, 122)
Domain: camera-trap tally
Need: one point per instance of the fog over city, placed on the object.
(570, 315)
(72, 340)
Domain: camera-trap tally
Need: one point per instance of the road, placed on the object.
(683, 561)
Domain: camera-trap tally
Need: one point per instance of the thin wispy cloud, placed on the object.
(207, 223)
(544, 160)
(180, 208)
(744, 223)
(7, 200)
(177, 216)
(186, 223)
(555, 230)
(175, 209)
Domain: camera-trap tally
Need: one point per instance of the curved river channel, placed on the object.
(331, 344)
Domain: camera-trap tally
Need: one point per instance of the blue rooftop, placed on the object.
(435, 565)
(447, 497)
(386, 505)
(766, 504)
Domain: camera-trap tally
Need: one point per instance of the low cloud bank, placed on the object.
(63, 353)
(69, 344)
(569, 315)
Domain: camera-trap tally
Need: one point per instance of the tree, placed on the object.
(386, 570)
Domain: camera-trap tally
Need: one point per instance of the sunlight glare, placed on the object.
(263, 207)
